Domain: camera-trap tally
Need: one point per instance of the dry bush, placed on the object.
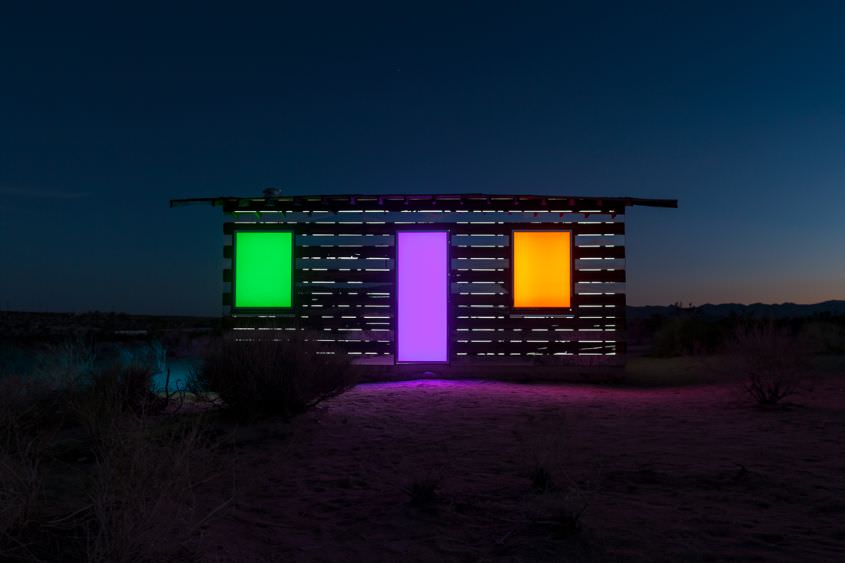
(688, 335)
(282, 375)
(824, 337)
(111, 393)
(21, 493)
(423, 492)
(136, 502)
(40, 399)
(144, 490)
(64, 365)
(561, 510)
(92, 386)
(543, 444)
(774, 361)
(28, 427)
(560, 500)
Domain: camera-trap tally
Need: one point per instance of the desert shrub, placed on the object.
(423, 492)
(144, 490)
(15, 358)
(544, 448)
(566, 518)
(74, 383)
(113, 392)
(687, 336)
(541, 478)
(64, 365)
(267, 375)
(21, 492)
(561, 508)
(824, 337)
(774, 361)
(28, 428)
(42, 417)
(26, 409)
(30, 418)
(66, 384)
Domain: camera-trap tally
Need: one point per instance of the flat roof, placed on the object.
(398, 201)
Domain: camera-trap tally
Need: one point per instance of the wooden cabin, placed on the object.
(448, 284)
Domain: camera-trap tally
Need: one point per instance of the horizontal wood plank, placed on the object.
(490, 228)
(598, 252)
(598, 275)
(503, 252)
(340, 253)
(509, 322)
(507, 349)
(339, 276)
(339, 298)
(345, 263)
(444, 216)
(513, 335)
(345, 240)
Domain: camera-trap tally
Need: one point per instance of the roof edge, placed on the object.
(351, 199)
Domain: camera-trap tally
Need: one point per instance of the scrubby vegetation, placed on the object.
(423, 492)
(690, 332)
(688, 335)
(773, 358)
(144, 501)
(272, 375)
(774, 361)
(91, 469)
(95, 466)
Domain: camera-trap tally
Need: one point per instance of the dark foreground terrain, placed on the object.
(478, 471)
(100, 462)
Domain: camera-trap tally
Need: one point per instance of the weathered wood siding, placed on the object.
(344, 275)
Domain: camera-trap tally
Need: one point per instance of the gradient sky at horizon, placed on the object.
(106, 112)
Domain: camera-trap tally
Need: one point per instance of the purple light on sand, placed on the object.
(423, 287)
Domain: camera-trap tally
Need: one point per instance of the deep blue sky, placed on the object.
(737, 109)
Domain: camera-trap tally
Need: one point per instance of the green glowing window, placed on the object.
(263, 269)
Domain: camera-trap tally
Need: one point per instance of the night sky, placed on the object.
(108, 111)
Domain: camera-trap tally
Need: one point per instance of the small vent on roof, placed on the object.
(271, 192)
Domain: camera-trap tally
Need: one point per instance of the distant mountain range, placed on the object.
(763, 310)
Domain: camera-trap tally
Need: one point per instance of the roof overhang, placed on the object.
(361, 201)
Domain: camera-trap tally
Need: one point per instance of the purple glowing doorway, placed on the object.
(422, 280)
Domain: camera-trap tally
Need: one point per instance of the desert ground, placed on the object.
(494, 471)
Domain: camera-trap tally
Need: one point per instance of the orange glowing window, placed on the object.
(542, 269)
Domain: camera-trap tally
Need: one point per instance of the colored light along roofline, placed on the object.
(362, 201)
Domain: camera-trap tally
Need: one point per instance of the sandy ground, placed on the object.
(668, 474)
